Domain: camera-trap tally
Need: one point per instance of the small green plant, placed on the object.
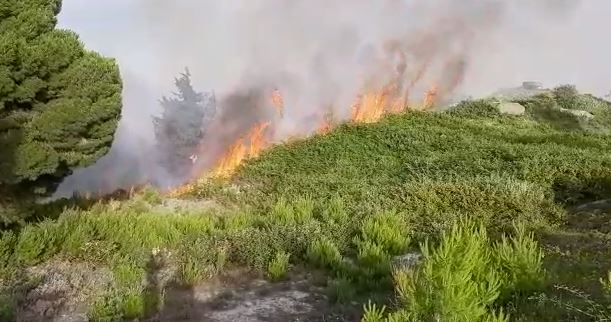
(373, 260)
(387, 230)
(106, 309)
(324, 254)
(191, 272)
(278, 266)
(373, 313)
(341, 290)
(457, 281)
(521, 261)
(128, 275)
(132, 305)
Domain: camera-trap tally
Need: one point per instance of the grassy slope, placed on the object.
(368, 192)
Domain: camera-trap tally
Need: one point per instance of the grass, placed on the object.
(348, 202)
(278, 266)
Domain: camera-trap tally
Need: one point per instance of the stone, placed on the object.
(406, 261)
(579, 113)
(511, 108)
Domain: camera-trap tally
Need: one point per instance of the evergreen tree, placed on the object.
(59, 103)
(182, 126)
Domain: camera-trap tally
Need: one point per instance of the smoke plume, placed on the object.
(321, 54)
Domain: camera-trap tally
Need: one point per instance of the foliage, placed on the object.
(278, 266)
(323, 253)
(182, 126)
(59, 103)
(348, 202)
(461, 279)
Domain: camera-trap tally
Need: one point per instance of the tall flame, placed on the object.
(369, 107)
(243, 149)
(430, 98)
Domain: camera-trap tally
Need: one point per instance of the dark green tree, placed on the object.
(182, 126)
(59, 103)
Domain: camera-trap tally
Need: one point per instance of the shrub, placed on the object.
(341, 290)
(106, 309)
(278, 266)
(566, 96)
(373, 313)
(481, 108)
(373, 261)
(324, 254)
(132, 305)
(521, 261)
(457, 281)
(387, 230)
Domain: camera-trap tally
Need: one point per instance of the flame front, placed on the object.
(245, 148)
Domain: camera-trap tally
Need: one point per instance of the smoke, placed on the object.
(320, 54)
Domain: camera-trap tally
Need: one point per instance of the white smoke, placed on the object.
(320, 52)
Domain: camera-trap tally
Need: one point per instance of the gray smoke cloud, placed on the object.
(320, 54)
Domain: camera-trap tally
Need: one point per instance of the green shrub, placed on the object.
(106, 309)
(457, 280)
(191, 272)
(341, 290)
(278, 266)
(132, 305)
(521, 261)
(480, 108)
(200, 259)
(373, 261)
(566, 96)
(373, 313)
(128, 276)
(324, 254)
(8, 240)
(387, 230)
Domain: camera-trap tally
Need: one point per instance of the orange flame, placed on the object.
(241, 151)
(327, 124)
(369, 107)
(430, 97)
(278, 102)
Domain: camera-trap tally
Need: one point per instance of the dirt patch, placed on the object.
(63, 292)
(240, 297)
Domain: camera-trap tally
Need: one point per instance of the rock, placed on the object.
(511, 108)
(579, 113)
(407, 261)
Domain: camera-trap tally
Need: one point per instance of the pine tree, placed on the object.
(182, 125)
(59, 103)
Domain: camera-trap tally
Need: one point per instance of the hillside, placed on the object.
(463, 215)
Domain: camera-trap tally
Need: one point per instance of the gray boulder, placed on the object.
(511, 108)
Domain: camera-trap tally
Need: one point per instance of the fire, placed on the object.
(369, 107)
(245, 148)
(278, 102)
(430, 98)
(327, 124)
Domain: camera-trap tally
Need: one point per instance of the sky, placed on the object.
(313, 45)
